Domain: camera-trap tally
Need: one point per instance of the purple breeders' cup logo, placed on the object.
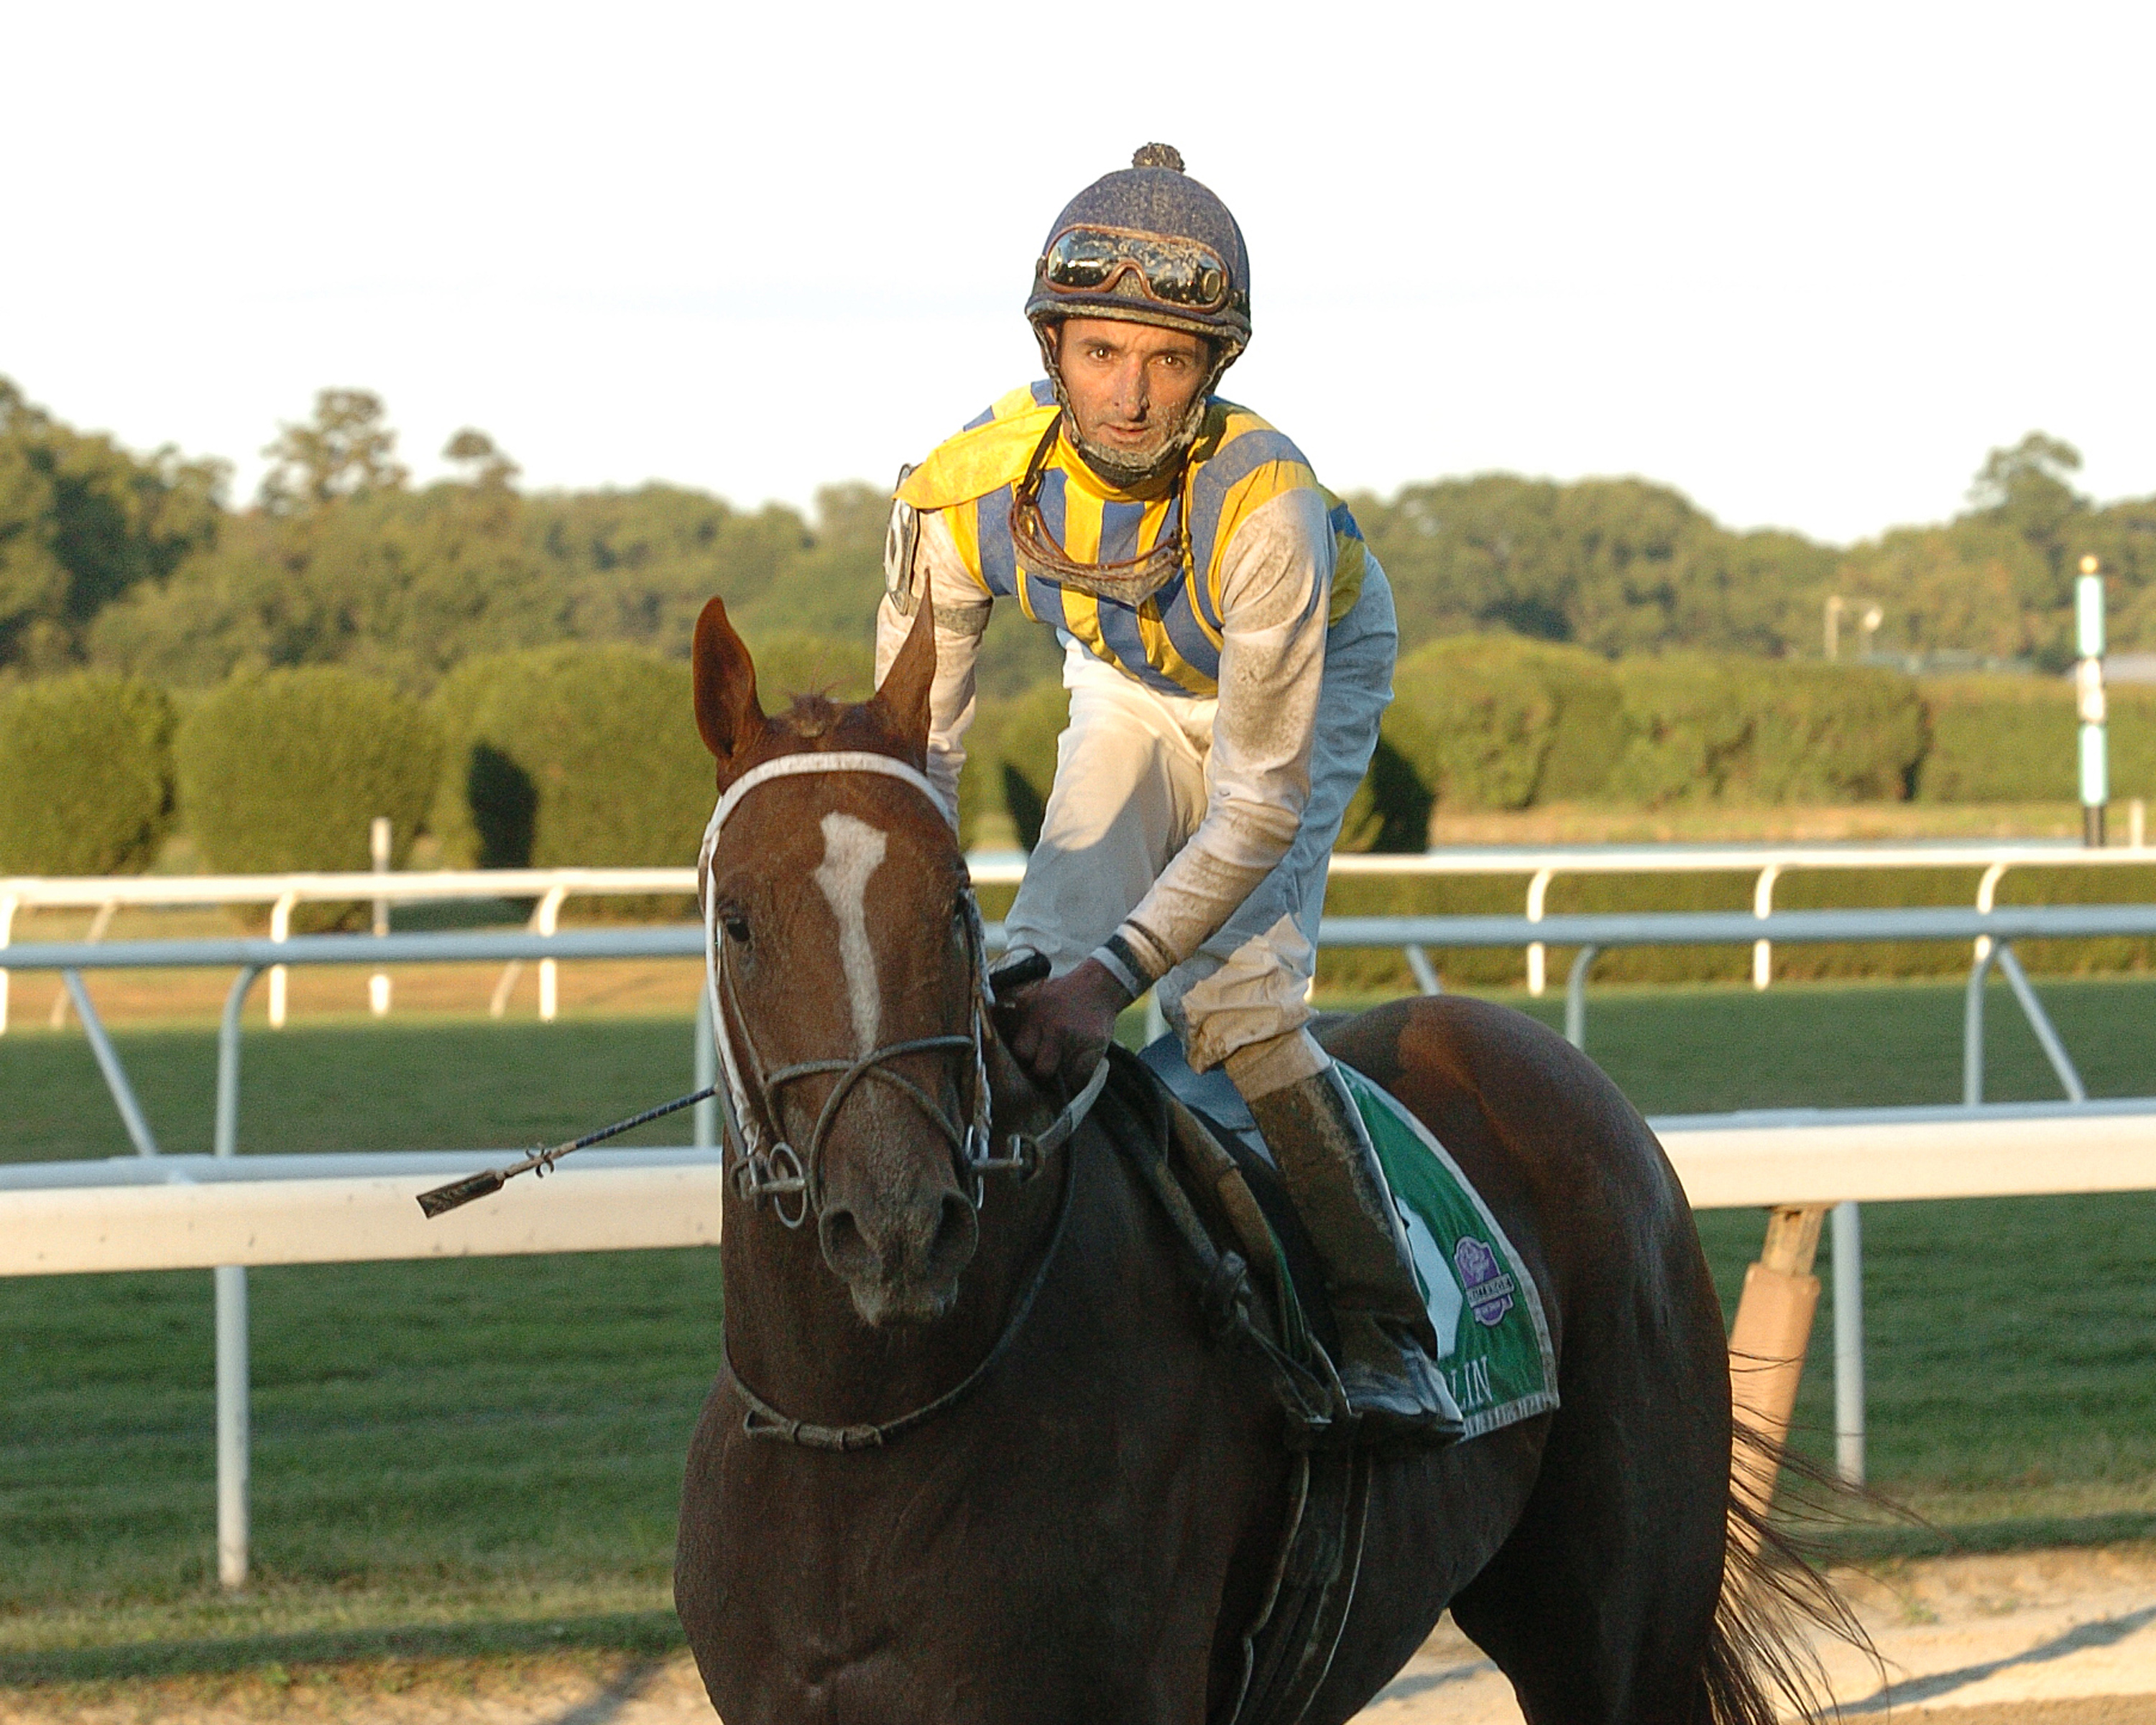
(1488, 1288)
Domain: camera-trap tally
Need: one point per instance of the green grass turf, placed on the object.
(492, 1447)
(410, 1084)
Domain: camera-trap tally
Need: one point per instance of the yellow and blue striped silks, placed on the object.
(1172, 641)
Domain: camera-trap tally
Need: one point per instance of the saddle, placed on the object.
(1191, 1141)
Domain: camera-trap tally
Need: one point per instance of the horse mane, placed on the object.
(815, 718)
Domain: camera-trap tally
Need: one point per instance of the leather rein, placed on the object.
(765, 1166)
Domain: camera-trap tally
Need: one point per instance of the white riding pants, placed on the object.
(1130, 787)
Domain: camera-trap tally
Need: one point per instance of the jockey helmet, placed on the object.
(1146, 245)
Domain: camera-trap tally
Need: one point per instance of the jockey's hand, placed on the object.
(1059, 1029)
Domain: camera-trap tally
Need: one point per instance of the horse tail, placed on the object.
(1761, 1665)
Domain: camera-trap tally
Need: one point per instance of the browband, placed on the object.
(837, 760)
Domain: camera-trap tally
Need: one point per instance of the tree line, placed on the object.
(140, 564)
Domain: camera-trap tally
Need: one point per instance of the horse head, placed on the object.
(844, 958)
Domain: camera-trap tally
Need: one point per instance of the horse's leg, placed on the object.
(1600, 1604)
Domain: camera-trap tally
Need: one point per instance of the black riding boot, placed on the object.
(1387, 1362)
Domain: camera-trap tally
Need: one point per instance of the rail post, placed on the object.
(1849, 1342)
(98, 926)
(1575, 999)
(8, 902)
(108, 1062)
(230, 1284)
(1972, 1024)
(547, 920)
(1763, 906)
(1537, 954)
(233, 1436)
(379, 841)
(1986, 897)
(1767, 1348)
(280, 930)
(2040, 1021)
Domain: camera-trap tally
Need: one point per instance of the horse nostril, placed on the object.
(957, 1232)
(845, 1248)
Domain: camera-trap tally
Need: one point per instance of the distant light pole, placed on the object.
(2088, 699)
(1868, 620)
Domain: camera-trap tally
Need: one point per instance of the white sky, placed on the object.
(1806, 264)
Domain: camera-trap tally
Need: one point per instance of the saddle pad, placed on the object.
(1492, 1341)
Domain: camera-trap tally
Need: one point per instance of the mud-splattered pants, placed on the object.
(1130, 787)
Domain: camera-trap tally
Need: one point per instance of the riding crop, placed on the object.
(490, 1181)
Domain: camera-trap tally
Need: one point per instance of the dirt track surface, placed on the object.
(2056, 1638)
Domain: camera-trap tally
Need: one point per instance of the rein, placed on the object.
(775, 1170)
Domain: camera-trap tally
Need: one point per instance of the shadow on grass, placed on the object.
(649, 1633)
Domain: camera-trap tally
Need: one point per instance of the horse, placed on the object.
(976, 1454)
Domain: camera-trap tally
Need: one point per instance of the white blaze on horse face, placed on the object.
(852, 849)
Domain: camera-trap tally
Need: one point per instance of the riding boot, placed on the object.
(1387, 1350)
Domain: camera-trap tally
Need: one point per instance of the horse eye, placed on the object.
(736, 926)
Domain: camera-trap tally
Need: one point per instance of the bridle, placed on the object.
(774, 1170)
(765, 1165)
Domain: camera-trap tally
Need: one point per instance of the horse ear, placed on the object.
(903, 694)
(728, 715)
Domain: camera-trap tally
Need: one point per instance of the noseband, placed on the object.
(765, 1166)
(773, 1170)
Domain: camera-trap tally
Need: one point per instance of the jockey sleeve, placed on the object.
(1275, 581)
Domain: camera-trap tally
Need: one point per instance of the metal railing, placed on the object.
(550, 889)
(1992, 931)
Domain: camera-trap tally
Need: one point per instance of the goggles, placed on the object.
(1180, 273)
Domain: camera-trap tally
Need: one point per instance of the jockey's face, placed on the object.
(1129, 384)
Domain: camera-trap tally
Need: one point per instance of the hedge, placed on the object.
(288, 770)
(572, 756)
(86, 775)
(1744, 731)
(2012, 740)
(1010, 760)
(1495, 722)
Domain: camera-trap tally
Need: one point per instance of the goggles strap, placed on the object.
(1132, 581)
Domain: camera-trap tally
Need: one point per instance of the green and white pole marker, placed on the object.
(2088, 690)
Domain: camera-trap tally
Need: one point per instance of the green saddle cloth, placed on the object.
(1492, 1341)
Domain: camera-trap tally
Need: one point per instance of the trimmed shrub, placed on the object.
(1702, 729)
(1999, 740)
(1475, 719)
(572, 757)
(1686, 727)
(287, 771)
(86, 775)
(1010, 760)
(794, 663)
(1391, 809)
(1589, 736)
(1829, 734)
(2133, 741)
(2008, 739)
(484, 803)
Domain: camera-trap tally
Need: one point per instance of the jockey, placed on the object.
(1228, 645)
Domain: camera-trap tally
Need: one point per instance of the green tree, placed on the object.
(346, 449)
(82, 524)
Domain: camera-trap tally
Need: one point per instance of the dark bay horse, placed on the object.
(1072, 1511)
